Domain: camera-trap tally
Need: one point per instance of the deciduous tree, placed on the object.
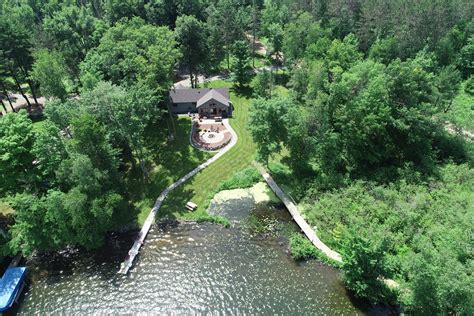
(49, 71)
(466, 58)
(133, 51)
(191, 35)
(264, 84)
(125, 113)
(267, 125)
(16, 160)
(49, 151)
(74, 31)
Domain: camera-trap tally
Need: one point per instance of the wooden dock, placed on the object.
(133, 252)
(293, 209)
(304, 226)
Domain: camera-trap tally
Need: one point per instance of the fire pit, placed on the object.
(211, 137)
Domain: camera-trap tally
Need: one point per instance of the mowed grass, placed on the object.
(200, 188)
(176, 158)
(38, 126)
(172, 160)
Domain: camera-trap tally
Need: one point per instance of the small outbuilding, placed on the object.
(207, 102)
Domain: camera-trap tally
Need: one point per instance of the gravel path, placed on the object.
(186, 83)
(452, 129)
(19, 102)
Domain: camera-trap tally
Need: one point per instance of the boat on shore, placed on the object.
(12, 284)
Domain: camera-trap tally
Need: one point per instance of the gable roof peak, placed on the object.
(213, 94)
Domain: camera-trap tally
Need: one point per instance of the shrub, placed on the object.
(469, 87)
(408, 231)
(365, 260)
(301, 248)
(245, 178)
(204, 217)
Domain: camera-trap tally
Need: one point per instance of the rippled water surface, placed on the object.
(187, 268)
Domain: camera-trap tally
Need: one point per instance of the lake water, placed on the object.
(186, 268)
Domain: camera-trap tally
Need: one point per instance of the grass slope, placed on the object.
(173, 159)
(200, 188)
(176, 158)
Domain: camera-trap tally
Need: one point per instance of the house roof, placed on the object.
(194, 95)
(213, 95)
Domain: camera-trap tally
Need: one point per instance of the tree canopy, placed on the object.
(134, 51)
(191, 34)
(49, 70)
(360, 109)
(16, 140)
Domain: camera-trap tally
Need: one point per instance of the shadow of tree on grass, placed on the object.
(175, 202)
(171, 159)
(242, 91)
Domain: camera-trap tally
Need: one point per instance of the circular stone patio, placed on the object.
(210, 135)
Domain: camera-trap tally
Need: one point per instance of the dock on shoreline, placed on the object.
(133, 252)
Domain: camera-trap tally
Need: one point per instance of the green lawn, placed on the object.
(260, 62)
(173, 159)
(176, 158)
(200, 188)
(38, 125)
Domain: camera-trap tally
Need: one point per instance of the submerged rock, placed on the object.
(236, 204)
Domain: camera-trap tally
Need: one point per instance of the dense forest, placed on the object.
(368, 140)
(364, 131)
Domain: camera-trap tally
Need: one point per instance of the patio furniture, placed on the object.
(191, 206)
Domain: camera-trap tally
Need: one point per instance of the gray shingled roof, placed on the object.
(193, 95)
(213, 94)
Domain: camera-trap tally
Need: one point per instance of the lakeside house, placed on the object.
(207, 102)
